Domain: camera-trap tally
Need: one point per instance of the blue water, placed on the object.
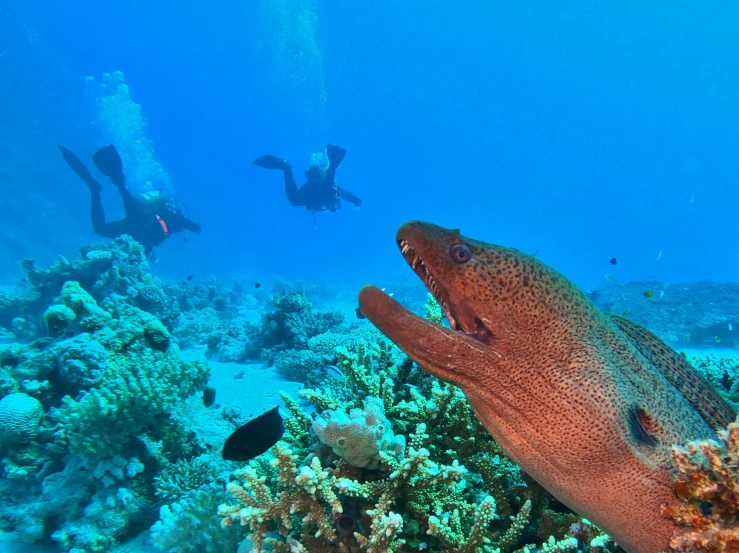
(581, 131)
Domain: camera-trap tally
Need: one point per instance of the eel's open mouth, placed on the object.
(461, 318)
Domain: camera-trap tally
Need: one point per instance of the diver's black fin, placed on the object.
(271, 162)
(108, 162)
(335, 155)
(74, 162)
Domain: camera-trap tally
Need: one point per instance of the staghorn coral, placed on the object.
(188, 523)
(707, 486)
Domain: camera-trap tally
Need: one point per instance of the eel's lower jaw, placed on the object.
(461, 318)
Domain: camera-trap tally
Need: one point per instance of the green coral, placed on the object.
(296, 365)
(142, 378)
(433, 309)
(188, 523)
(58, 319)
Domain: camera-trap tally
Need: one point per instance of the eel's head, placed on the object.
(500, 303)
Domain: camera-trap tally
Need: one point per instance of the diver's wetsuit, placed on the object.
(149, 229)
(320, 192)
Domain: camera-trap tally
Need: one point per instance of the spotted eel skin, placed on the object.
(585, 402)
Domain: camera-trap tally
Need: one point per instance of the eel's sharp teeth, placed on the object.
(405, 248)
(416, 261)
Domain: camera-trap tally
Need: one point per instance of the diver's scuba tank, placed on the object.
(153, 200)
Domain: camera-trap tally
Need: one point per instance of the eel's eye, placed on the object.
(460, 253)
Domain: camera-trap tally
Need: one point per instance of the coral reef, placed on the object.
(707, 485)
(90, 413)
(722, 371)
(106, 431)
(685, 315)
(292, 323)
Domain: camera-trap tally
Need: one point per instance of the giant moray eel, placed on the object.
(586, 403)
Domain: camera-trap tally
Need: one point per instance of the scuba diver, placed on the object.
(150, 219)
(320, 191)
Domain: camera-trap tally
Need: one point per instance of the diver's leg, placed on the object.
(294, 195)
(97, 213)
(109, 229)
(271, 162)
(335, 155)
(129, 203)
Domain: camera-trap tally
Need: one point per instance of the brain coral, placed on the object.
(20, 415)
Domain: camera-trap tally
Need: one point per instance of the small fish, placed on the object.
(189, 278)
(659, 255)
(613, 261)
(255, 437)
(648, 294)
(359, 314)
(611, 278)
(692, 198)
(24, 279)
(731, 326)
(626, 311)
(688, 335)
(257, 285)
(334, 372)
(391, 294)
(718, 339)
(184, 239)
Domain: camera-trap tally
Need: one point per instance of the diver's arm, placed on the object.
(177, 222)
(348, 196)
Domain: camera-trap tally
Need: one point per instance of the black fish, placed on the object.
(359, 314)
(257, 285)
(255, 437)
(613, 261)
(189, 278)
